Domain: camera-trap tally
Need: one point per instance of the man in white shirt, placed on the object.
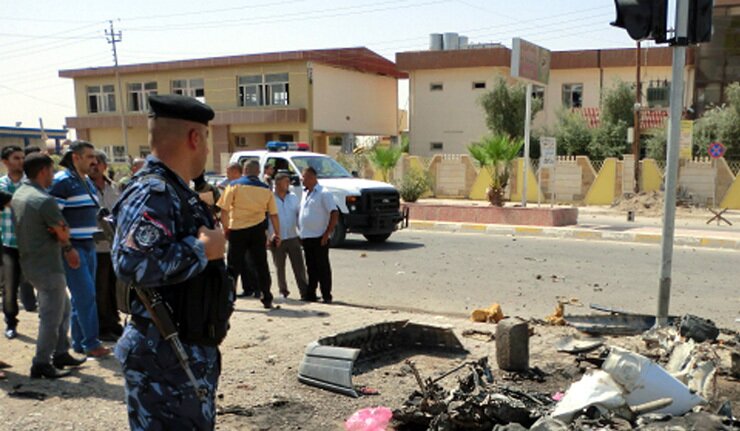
(289, 207)
(318, 218)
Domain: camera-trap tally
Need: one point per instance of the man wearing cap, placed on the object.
(75, 194)
(288, 206)
(105, 278)
(243, 207)
(166, 242)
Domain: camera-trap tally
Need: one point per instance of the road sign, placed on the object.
(686, 139)
(529, 61)
(716, 150)
(548, 152)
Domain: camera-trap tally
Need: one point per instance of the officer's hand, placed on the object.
(72, 258)
(325, 238)
(213, 241)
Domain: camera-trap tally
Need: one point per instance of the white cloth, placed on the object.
(316, 208)
(288, 210)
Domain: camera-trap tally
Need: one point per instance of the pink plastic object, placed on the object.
(369, 419)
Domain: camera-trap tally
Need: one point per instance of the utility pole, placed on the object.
(114, 37)
(636, 136)
(671, 176)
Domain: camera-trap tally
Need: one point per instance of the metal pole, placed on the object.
(115, 38)
(636, 138)
(527, 125)
(671, 177)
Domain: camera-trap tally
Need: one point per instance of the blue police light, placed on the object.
(277, 146)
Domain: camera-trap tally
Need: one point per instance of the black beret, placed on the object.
(180, 108)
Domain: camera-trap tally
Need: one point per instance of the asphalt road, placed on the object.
(453, 274)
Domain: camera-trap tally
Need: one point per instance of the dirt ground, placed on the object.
(259, 389)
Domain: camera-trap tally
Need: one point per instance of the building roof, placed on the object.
(501, 57)
(29, 132)
(360, 59)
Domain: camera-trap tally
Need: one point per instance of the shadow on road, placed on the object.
(390, 245)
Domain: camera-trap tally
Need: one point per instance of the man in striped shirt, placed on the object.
(12, 157)
(75, 194)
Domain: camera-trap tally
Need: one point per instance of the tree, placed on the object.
(721, 123)
(572, 133)
(655, 144)
(618, 103)
(505, 108)
(609, 140)
(384, 159)
(495, 154)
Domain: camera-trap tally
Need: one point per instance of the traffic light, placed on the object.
(643, 19)
(700, 21)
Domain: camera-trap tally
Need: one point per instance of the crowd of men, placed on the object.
(52, 243)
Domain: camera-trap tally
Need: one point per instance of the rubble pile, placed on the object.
(478, 403)
(645, 203)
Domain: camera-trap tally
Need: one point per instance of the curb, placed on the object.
(572, 233)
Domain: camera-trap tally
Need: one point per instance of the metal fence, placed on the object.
(597, 164)
(734, 166)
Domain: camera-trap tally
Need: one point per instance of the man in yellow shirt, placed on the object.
(243, 205)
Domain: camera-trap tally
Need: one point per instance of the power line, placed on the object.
(209, 11)
(66, 32)
(303, 16)
(30, 96)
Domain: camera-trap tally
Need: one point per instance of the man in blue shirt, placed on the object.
(75, 195)
(289, 207)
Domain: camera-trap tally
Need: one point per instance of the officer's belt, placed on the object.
(141, 323)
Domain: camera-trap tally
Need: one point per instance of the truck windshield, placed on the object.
(325, 167)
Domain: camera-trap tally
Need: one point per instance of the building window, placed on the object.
(264, 90)
(101, 98)
(117, 153)
(573, 95)
(138, 95)
(659, 96)
(436, 146)
(538, 92)
(189, 87)
(144, 151)
(241, 141)
(479, 86)
(436, 86)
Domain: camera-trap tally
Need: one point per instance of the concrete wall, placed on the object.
(346, 101)
(451, 116)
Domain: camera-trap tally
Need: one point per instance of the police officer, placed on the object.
(165, 240)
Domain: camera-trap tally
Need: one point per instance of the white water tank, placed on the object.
(463, 42)
(452, 41)
(435, 42)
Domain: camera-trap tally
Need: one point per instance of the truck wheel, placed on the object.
(340, 232)
(380, 237)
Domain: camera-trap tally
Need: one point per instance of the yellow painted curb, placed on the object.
(587, 235)
(474, 227)
(422, 224)
(711, 242)
(527, 229)
(647, 237)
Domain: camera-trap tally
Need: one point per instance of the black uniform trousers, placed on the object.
(247, 247)
(318, 267)
(105, 296)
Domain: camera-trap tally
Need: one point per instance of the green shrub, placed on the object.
(414, 184)
(572, 133)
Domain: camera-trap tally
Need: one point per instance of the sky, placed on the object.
(40, 37)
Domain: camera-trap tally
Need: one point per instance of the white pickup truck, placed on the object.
(370, 208)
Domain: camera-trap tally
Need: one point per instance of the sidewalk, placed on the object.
(607, 224)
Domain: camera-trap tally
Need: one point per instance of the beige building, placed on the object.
(306, 96)
(445, 87)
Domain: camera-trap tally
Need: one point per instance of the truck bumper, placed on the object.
(372, 224)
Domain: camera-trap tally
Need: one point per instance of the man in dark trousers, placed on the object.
(12, 157)
(243, 207)
(318, 218)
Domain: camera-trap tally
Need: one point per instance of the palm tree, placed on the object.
(495, 154)
(384, 159)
